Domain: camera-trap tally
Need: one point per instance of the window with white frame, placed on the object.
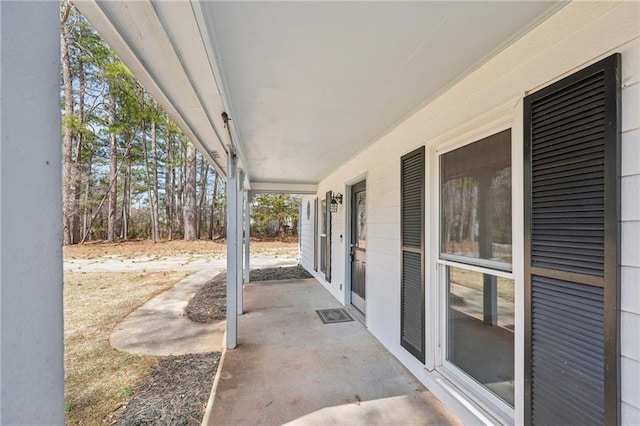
(475, 252)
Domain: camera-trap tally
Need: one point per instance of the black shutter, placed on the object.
(571, 248)
(412, 232)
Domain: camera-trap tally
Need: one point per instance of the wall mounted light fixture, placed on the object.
(335, 200)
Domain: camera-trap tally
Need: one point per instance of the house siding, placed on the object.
(630, 235)
(306, 234)
(486, 100)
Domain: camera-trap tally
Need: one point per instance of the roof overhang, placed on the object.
(307, 85)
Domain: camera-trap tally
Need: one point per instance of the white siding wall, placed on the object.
(579, 34)
(306, 233)
(630, 291)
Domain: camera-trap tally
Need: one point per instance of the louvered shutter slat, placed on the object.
(412, 225)
(571, 354)
(571, 275)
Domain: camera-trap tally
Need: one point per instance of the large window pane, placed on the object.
(476, 200)
(480, 328)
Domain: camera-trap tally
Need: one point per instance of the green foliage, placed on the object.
(274, 214)
(108, 101)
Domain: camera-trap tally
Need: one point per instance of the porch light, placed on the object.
(335, 200)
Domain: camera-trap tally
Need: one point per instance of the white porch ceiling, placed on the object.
(307, 84)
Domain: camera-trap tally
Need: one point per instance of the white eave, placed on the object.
(163, 47)
(307, 85)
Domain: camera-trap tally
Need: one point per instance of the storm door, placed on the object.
(358, 244)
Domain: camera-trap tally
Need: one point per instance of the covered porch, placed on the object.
(316, 98)
(291, 368)
(278, 96)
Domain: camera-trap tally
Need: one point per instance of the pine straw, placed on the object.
(209, 303)
(175, 392)
(286, 273)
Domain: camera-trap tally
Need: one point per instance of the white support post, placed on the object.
(31, 308)
(240, 221)
(232, 257)
(247, 238)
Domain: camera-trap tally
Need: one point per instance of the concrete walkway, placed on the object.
(290, 368)
(159, 327)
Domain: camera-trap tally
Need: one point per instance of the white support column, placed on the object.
(240, 221)
(31, 309)
(247, 238)
(232, 257)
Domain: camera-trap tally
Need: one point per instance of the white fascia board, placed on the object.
(286, 188)
(210, 44)
(144, 72)
(183, 38)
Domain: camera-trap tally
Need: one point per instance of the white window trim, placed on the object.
(508, 115)
(493, 404)
(475, 268)
(485, 264)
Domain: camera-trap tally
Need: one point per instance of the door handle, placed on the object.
(352, 255)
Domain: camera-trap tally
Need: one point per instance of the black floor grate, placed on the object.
(330, 316)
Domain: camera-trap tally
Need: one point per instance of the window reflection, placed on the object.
(476, 200)
(481, 328)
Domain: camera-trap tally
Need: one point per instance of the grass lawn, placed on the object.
(98, 378)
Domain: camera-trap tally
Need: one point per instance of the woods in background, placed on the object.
(128, 170)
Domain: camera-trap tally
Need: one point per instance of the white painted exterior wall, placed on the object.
(305, 237)
(31, 322)
(630, 228)
(485, 102)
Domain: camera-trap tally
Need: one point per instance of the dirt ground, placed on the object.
(135, 248)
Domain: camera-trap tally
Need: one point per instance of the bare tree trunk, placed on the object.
(126, 200)
(150, 185)
(113, 173)
(463, 210)
(169, 182)
(154, 158)
(79, 166)
(473, 211)
(98, 211)
(180, 190)
(204, 175)
(190, 216)
(214, 198)
(87, 210)
(67, 137)
(223, 230)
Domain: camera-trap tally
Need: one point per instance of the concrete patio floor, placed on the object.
(290, 368)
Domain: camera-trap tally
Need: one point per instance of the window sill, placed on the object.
(469, 406)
